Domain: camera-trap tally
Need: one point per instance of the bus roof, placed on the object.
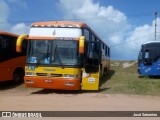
(151, 42)
(59, 24)
(7, 33)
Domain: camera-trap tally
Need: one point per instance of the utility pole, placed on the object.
(155, 23)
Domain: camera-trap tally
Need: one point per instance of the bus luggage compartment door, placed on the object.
(90, 81)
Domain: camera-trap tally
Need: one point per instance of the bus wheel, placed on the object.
(18, 77)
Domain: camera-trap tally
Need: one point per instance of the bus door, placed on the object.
(91, 72)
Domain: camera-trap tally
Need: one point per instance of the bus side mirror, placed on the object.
(81, 45)
(19, 42)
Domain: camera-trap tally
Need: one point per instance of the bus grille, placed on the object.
(51, 75)
(41, 74)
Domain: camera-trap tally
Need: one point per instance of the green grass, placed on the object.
(127, 81)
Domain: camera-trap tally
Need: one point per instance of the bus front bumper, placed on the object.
(53, 83)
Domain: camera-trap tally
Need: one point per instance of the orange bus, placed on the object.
(12, 63)
(64, 55)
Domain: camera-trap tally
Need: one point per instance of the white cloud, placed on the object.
(4, 14)
(112, 25)
(138, 36)
(109, 23)
(115, 39)
(102, 19)
(20, 28)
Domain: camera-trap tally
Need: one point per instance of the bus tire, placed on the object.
(18, 75)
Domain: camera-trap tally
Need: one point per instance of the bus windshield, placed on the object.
(53, 52)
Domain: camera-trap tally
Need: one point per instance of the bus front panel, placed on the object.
(53, 77)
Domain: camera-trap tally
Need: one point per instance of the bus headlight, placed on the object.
(30, 74)
(70, 76)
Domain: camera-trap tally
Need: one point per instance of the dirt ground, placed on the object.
(20, 98)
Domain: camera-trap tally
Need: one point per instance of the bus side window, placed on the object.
(86, 34)
(93, 37)
(108, 51)
(1, 41)
(4, 43)
(5, 47)
(1, 52)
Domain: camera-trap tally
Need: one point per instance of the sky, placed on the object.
(124, 25)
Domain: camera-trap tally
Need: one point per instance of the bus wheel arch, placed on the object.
(18, 75)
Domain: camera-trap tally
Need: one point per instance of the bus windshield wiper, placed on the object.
(59, 59)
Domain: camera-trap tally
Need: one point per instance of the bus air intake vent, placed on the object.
(56, 75)
(41, 74)
(51, 75)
